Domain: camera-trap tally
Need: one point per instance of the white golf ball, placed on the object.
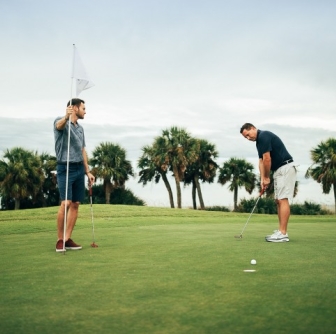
(253, 261)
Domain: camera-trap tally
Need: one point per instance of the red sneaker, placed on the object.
(59, 246)
(70, 244)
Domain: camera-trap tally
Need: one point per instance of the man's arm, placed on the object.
(60, 125)
(87, 169)
(265, 169)
(261, 169)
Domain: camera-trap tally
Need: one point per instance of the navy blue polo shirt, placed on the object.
(269, 142)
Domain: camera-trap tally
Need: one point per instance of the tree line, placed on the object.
(28, 176)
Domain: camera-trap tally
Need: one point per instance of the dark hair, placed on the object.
(246, 126)
(75, 102)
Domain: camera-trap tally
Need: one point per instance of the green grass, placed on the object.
(166, 271)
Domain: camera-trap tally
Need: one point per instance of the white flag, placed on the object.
(79, 73)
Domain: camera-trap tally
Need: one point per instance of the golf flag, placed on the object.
(79, 73)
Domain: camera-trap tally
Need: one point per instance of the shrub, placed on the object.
(126, 197)
(217, 208)
(265, 205)
(308, 208)
(118, 196)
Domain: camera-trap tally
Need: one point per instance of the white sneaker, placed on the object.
(268, 236)
(278, 237)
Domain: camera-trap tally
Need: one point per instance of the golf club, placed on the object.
(240, 236)
(94, 245)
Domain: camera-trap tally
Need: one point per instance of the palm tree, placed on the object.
(323, 169)
(177, 149)
(21, 175)
(239, 173)
(151, 169)
(204, 169)
(110, 164)
(49, 194)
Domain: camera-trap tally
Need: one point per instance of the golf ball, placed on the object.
(253, 261)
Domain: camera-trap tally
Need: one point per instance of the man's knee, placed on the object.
(67, 203)
(282, 202)
(74, 205)
(70, 205)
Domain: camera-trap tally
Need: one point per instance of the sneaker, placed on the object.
(59, 246)
(278, 237)
(70, 244)
(268, 236)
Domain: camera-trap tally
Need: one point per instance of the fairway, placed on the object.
(162, 270)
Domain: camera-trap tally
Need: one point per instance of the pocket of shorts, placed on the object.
(61, 169)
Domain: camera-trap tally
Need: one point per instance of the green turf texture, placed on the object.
(160, 270)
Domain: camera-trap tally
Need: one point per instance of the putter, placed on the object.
(94, 245)
(240, 236)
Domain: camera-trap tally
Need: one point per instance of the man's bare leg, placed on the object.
(283, 214)
(72, 213)
(72, 218)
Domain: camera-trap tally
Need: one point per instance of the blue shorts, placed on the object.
(76, 182)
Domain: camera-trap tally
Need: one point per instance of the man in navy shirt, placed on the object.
(273, 156)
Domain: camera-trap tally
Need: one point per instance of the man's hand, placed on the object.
(60, 125)
(68, 113)
(265, 182)
(91, 178)
(263, 189)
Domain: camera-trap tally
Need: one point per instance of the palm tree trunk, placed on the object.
(178, 188)
(334, 186)
(17, 204)
(199, 192)
(170, 193)
(193, 195)
(107, 197)
(107, 188)
(235, 199)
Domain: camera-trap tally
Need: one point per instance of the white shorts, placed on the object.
(284, 181)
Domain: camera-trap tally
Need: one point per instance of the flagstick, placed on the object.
(66, 186)
(81, 76)
(68, 157)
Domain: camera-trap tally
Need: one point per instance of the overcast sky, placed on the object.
(207, 66)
